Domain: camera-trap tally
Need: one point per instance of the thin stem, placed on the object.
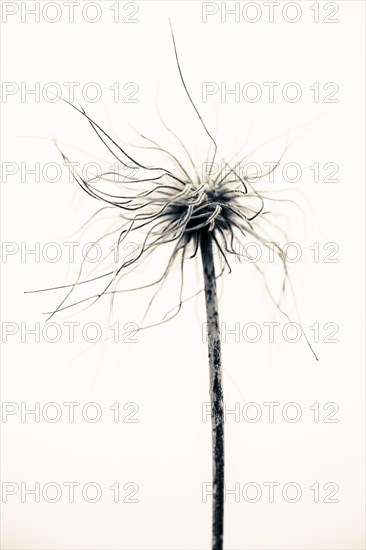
(216, 391)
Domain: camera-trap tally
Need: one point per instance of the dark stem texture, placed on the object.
(216, 390)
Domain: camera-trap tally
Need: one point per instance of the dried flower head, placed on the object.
(160, 206)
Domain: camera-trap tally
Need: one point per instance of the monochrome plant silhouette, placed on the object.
(190, 217)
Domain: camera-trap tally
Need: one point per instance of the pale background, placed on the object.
(168, 451)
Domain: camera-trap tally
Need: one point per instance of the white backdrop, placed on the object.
(162, 379)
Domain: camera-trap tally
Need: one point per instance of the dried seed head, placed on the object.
(169, 207)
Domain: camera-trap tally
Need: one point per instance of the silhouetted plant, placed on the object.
(165, 208)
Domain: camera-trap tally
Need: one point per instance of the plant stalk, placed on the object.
(216, 390)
